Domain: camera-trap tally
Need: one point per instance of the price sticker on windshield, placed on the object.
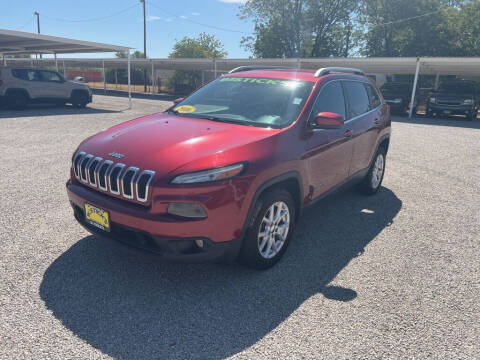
(185, 109)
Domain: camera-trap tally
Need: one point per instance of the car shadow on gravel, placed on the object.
(131, 305)
(37, 110)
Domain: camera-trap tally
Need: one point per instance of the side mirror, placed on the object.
(177, 101)
(328, 120)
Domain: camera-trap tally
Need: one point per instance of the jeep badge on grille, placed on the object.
(116, 155)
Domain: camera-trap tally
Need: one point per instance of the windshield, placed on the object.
(457, 88)
(249, 101)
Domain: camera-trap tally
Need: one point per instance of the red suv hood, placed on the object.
(163, 142)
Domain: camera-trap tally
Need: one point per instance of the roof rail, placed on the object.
(329, 70)
(260, 67)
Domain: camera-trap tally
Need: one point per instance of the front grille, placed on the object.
(449, 102)
(113, 178)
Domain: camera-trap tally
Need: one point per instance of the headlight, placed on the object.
(467, 102)
(433, 100)
(221, 173)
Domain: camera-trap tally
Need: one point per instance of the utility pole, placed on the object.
(37, 14)
(144, 45)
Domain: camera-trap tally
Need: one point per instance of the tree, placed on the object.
(299, 28)
(430, 28)
(203, 46)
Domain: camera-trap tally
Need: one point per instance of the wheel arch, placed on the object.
(14, 90)
(290, 181)
(76, 91)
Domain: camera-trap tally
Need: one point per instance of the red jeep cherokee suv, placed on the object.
(226, 172)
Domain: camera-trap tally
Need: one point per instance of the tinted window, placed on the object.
(49, 76)
(457, 87)
(25, 74)
(357, 97)
(373, 95)
(330, 99)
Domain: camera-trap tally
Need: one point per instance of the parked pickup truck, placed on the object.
(459, 97)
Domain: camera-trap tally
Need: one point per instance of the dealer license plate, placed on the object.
(97, 217)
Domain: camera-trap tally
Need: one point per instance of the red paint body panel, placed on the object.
(172, 145)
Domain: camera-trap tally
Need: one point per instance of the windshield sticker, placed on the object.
(288, 83)
(185, 109)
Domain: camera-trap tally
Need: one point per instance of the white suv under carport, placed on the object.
(21, 86)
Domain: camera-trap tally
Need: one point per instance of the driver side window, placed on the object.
(330, 99)
(49, 76)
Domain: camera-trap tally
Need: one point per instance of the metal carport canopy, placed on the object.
(428, 65)
(18, 42)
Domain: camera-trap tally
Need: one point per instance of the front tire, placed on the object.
(268, 236)
(373, 180)
(472, 115)
(80, 99)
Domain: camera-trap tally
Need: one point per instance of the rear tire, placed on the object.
(373, 180)
(17, 100)
(270, 230)
(79, 99)
(472, 115)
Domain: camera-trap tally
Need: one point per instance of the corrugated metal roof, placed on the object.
(443, 66)
(19, 42)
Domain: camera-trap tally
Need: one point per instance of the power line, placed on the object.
(197, 22)
(93, 19)
(406, 19)
(27, 23)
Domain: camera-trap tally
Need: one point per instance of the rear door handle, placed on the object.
(348, 133)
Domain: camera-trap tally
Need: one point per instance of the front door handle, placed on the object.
(348, 133)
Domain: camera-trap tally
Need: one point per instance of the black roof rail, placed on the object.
(259, 67)
(329, 70)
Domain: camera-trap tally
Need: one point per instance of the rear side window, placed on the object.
(373, 95)
(25, 74)
(330, 99)
(357, 98)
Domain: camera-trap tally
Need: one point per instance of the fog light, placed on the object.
(199, 243)
(189, 210)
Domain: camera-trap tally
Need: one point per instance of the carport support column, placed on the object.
(417, 71)
(437, 81)
(214, 68)
(153, 79)
(129, 85)
(103, 74)
(56, 62)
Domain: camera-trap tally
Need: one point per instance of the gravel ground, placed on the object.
(391, 276)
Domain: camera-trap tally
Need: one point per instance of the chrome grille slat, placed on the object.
(104, 168)
(113, 178)
(92, 169)
(140, 188)
(76, 163)
(84, 166)
(124, 181)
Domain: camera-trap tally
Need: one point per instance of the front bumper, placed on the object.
(453, 109)
(170, 237)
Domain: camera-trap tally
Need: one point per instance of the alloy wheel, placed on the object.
(273, 230)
